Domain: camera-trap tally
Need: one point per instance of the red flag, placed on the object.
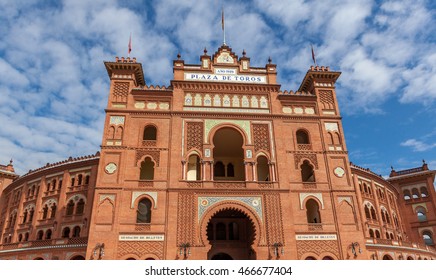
(222, 19)
(130, 44)
(313, 55)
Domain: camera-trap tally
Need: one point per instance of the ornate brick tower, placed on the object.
(222, 164)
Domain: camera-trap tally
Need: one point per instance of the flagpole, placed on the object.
(129, 47)
(223, 26)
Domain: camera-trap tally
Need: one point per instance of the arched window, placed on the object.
(87, 180)
(312, 212)
(66, 232)
(70, 208)
(76, 231)
(149, 133)
(218, 169)
(377, 234)
(310, 258)
(407, 195)
(220, 231)
(39, 235)
(420, 212)
(391, 235)
(387, 235)
(48, 234)
(147, 169)
(194, 168)
(395, 220)
(424, 192)
(428, 238)
(53, 185)
(79, 179)
(365, 188)
(233, 231)
(367, 214)
(262, 169)
(31, 213)
(371, 233)
(80, 207)
(72, 182)
(302, 137)
(20, 237)
(373, 214)
(53, 211)
(60, 184)
(24, 216)
(143, 214)
(26, 236)
(307, 173)
(415, 194)
(44, 212)
(230, 170)
(383, 216)
(387, 257)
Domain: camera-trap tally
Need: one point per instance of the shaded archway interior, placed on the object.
(231, 235)
(228, 155)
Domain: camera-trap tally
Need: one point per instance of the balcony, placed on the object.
(304, 147)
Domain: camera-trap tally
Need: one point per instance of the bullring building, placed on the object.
(220, 164)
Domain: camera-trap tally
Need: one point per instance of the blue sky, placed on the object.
(53, 84)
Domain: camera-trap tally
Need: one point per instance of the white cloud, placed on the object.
(417, 145)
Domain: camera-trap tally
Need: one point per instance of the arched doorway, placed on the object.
(231, 235)
(228, 155)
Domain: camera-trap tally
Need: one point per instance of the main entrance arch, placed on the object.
(231, 234)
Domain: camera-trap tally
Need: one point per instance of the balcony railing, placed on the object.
(45, 243)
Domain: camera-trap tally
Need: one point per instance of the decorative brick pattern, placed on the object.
(274, 223)
(121, 90)
(140, 248)
(155, 155)
(186, 218)
(326, 98)
(317, 247)
(261, 137)
(300, 157)
(195, 136)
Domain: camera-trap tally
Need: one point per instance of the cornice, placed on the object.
(228, 87)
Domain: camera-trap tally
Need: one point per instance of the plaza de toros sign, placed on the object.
(225, 75)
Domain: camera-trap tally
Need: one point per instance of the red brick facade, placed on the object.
(223, 164)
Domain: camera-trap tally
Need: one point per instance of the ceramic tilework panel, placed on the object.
(253, 202)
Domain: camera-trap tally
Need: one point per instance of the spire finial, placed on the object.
(243, 53)
(269, 60)
(178, 56)
(205, 50)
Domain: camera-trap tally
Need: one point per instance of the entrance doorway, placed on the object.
(231, 234)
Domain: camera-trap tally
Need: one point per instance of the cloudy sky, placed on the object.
(53, 84)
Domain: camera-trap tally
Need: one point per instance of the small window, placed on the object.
(53, 211)
(407, 195)
(26, 236)
(428, 238)
(39, 235)
(80, 207)
(307, 172)
(262, 169)
(219, 169)
(230, 170)
(48, 234)
(367, 214)
(312, 212)
(143, 214)
(66, 232)
(150, 133)
(424, 192)
(87, 180)
(70, 208)
(420, 212)
(415, 194)
(147, 169)
(44, 212)
(377, 234)
(79, 180)
(371, 233)
(302, 137)
(76, 231)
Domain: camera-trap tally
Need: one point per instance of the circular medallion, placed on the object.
(339, 171)
(255, 202)
(204, 202)
(110, 168)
